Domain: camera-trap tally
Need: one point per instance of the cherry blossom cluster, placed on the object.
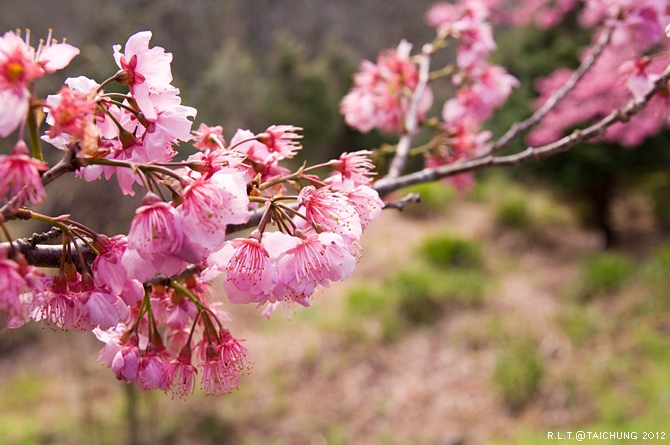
(628, 56)
(383, 92)
(627, 68)
(148, 295)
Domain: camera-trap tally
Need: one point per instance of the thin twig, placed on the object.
(634, 106)
(556, 97)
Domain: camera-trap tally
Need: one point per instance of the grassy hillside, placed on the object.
(488, 318)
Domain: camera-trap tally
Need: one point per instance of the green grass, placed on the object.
(447, 251)
(519, 372)
(603, 274)
(513, 213)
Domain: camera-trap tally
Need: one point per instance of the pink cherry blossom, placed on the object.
(366, 201)
(330, 211)
(145, 70)
(179, 374)
(638, 24)
(20, 65)
(20, 177)
(218, 377)
(382, 92)
(208, 138)
(156, 228)
(311, 261)
(100, 307)
(281, 140)
(107, 267)
(168, 128)
(11, 286)
(233, 353)
(55, 304)
(125, 362)
(70, 112)
(258, 156)
(250, 276)
(356, 167)
(179, 310)
(210, 203)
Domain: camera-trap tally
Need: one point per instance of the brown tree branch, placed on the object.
(556, 97)
(387, 185)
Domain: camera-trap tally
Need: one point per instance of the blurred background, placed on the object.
(536, 301)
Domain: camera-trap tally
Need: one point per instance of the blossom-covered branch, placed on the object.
(388, 185)
(148, 294)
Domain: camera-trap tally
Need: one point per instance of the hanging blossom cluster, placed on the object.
(637, 55)
(148, 295)
(381, 96)
(629, 52)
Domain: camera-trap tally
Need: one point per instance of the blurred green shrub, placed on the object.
(579, 322)
(603, 274)
(448, 251)
(513, 213)
(425, 294)
(519, 372)
(368, 299)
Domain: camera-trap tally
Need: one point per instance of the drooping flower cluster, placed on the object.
(147, 295)
(382, 92)
(481, 87)
(626, 69)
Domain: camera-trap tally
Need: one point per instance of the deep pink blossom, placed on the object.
(233, 353)
(179, 374)
(382, 93)
(218, 376)
(250, 276)
(20, 176)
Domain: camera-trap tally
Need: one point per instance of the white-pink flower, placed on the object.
(330, 211)
(146, 70)
(211, 203)
(20, 65)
